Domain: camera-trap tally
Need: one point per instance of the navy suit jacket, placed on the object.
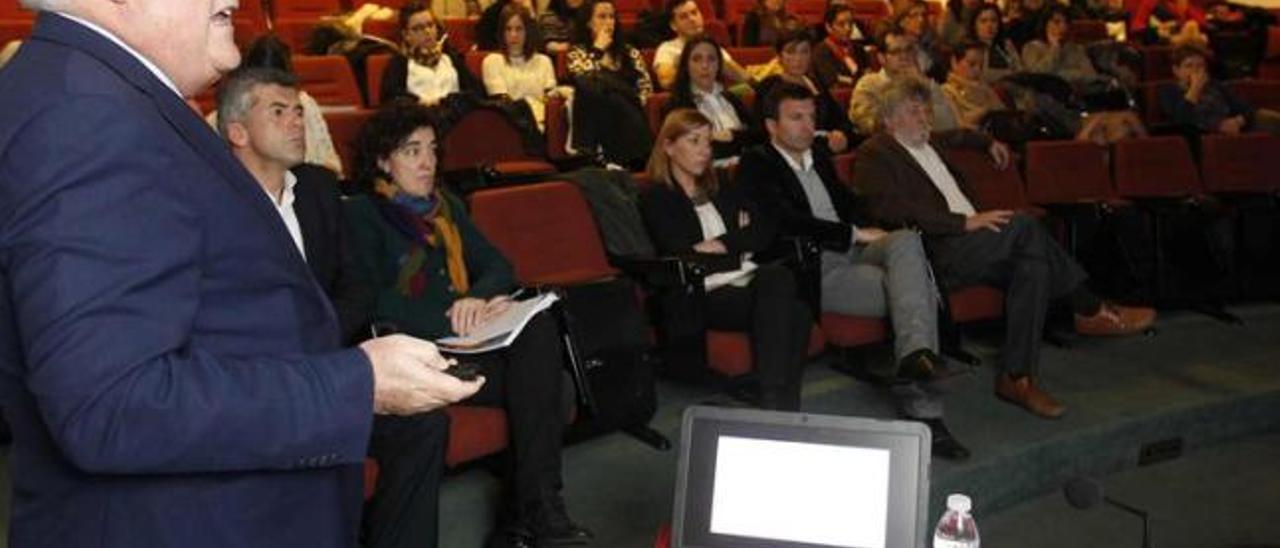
(170, 368)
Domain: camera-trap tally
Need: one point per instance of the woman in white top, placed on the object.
(687, 212)
(519, 72)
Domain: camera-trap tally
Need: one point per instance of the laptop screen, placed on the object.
(756, 478)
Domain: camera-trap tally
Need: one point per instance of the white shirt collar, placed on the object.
(716, 88)
(806, 159)
(164, 78)
(286, 195)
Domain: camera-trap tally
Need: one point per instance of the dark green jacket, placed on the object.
(379, 247)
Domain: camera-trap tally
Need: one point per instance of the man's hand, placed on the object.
(465, 314)
(1000, 154)
(1232, 125)
(837, 141)
(494, 308)
(990, 220)
(868, 234)
(408, 377)
(710, 246)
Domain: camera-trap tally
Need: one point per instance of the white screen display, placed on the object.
(801, 492)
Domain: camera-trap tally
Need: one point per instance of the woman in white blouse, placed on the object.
(519, 72)
(687, 211)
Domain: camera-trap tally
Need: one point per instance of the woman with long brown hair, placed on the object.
(687, 211)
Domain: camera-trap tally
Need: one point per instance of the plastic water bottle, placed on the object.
(956, 529)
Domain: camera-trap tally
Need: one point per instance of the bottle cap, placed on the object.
(959, 502)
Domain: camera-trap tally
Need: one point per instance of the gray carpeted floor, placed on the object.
(1116, 388)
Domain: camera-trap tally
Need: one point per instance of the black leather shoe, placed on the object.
(552, 526)
(945, 445)
(511, 537)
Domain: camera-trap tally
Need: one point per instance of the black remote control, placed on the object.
(463, 371)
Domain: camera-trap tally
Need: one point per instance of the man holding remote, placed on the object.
(172, 372)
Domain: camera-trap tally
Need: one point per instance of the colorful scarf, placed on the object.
(429, 221)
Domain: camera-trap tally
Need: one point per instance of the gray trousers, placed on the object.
(889, 277)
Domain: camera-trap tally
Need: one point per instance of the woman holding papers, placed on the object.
(688, 211)
(436, 276)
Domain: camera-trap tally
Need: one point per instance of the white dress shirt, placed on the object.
(928, 159)
(716, 108)
(285, 208)
(432, 84)
(713, 227)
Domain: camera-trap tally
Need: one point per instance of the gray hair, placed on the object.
(46, 5)
(235, 96)
(900, 90)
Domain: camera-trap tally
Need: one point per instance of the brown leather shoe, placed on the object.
(1023, 392)
(1115, 320)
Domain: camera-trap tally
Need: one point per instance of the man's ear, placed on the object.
(771, 126)
(237, 135)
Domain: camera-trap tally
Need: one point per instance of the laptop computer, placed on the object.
(749, 478)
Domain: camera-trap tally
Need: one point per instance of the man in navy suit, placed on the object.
(171, 370)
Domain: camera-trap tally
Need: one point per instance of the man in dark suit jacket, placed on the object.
(864, 271)
(260, 116)
(172, 372)
(908, 183)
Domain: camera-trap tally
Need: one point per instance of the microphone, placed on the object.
(1084, 493)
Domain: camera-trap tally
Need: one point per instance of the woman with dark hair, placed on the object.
(839, 59)
(518, 72)
(555, 25)
(611, 86)
(435, 275)
(914, 22)
(698, 87)
(1052, 53)
(795, 57)
(427, 69)
(268, 51)
(687, 211)
(986, 25)
(953, 30)
(767, 21)
(489, 27)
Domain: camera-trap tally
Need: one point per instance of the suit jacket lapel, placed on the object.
(791, 183)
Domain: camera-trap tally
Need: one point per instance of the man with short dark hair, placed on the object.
(864, 271)
(907, 182)
(1198, 101)
(260, 115)
(686, 21)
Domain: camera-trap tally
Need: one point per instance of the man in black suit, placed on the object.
(865, 271)
(260, 116)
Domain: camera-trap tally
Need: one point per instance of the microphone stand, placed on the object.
(1146, 521)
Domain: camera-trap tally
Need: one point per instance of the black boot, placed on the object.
(945, 445)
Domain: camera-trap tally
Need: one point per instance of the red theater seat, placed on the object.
(312, 9)
(1155, 167)
(485, 138)
(1258, 93)
(295, 32)
(1067, 172)
(462, 32)
(975, 303)
(1157, 62)
(374, 66)
(328, 79)
(1240, 163)
(343, 128)
(992, 188)
(752, 56)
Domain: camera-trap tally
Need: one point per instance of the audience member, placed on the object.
(864, 271)
(907, 182)
(427, 69)
(953, 30)
(794, 57)
(611, 86)
(1023, 23)
(914, 22)
(269, 51)
(518, 72)
(1052, 53)
(971, 97)
(555, 25)
(261, 116)
(839, 59)
(687, 23)
(435, 275)
(490, 25)
(897, 60)
(1198, 101)
(1168, 21)
(698, 87)
(688, 211)
(1002, 57)
(766, 22)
